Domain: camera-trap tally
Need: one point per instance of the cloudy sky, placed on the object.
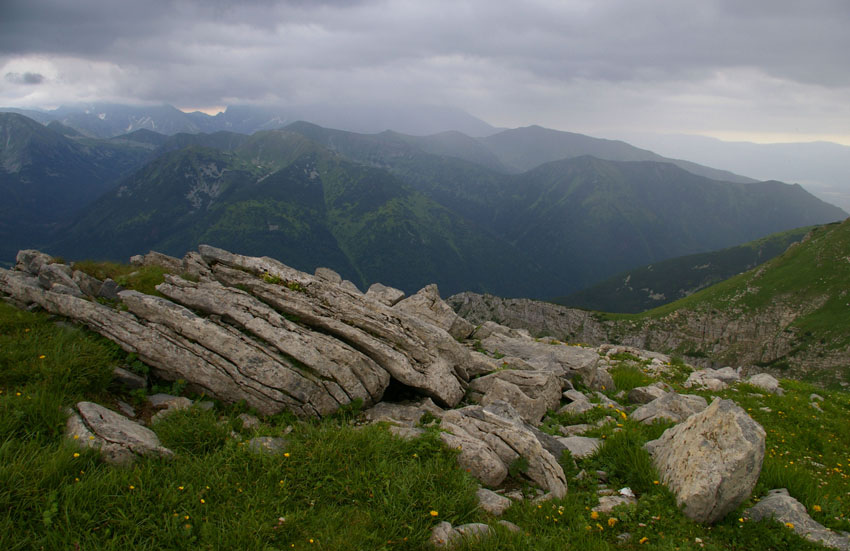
(760, 70)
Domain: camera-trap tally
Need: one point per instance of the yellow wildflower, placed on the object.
(612, 521)
(790, 525)
(434, 513)
(643, 540)
(594, 515)
(42, 357)
(816, 508)
(76, 454)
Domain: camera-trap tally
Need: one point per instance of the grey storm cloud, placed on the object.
(484, 53)
(25, 78)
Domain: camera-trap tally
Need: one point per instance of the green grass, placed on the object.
(138, 278)
(342, 487)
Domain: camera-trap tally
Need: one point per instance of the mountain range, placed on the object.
(404, 210)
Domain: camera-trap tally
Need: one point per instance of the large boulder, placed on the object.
(670, 407)
(766, 382)
(711, 462)
(119, 440)
(780, 506)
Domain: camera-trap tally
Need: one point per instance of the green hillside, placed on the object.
(792, 312)
(46, 177)
(663, 282)
(281, 195)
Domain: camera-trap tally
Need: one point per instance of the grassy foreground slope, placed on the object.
(345, 487)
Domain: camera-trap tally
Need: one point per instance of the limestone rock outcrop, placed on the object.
(711, 462)
(253, 329)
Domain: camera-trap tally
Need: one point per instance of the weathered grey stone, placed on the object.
(270, 445)
(440, 534)
(711, 462)
(444, 536)
(407, 433)
(354, 372)
(492, 502)
(501, 428)
(509, 526)
(119, 439)
(57, 274)
(558, 358)
(671, 407)
(427, 305)
(195, 267)
(577, 407)
(126, 409)
(646, 394)
(406, 414)
(574, 430)
(531, 393)
(765, 382)
(779, 505)
(32, 261)
(575, 396)
(581, 446)
(328, 275)
(171, 406)
(153, 258)
(389, 296)
(608, 503)
(712, 379)
(87, 284)
(815, 398)
(128, 380)
(109, 290)
(350, 287)
(414, 352)
(161, 399)
(475, 456)
(248, 421)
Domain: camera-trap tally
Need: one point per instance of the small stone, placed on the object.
(510, 526)
(270, 445)
(492, 502)
(608, 503)
(128, 380)
(248, 421)
(581, 446)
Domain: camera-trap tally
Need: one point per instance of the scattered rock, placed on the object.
(574, 430)
(712, 461)
(128, 380)
(109, 290)
(119, 439)
(671, 406)
(608, 503)
(249, 421)
(766, 382)
(443, 535)
(270, 445)
(126, 409)
(503, 431)
(153, 258)
(403, 414)
(492, 502)
(779, 505)
(815, 398)
(581, 446)
(510, 526)
(646, 394)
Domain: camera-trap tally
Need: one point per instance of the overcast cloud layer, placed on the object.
(769, 70)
